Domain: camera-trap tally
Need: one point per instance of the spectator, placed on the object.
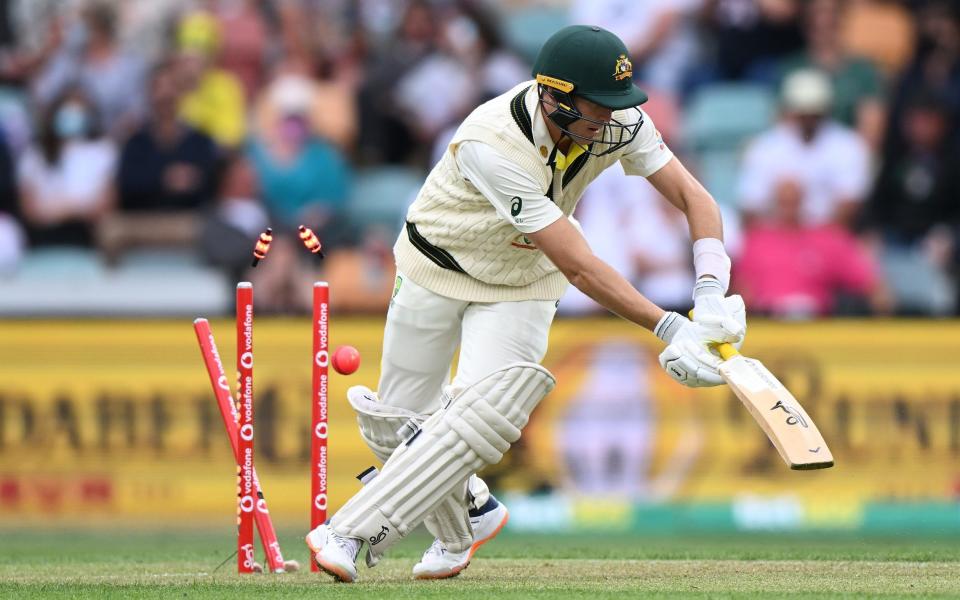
(303, 178)
(214, 100)
(914, 207)
(330, 104)
(23, 52)
(468, 66)
(856, 82)
(658, 33)
(385, 137)
(237, 219)
(935, 66)
(881, 30)
(11, 233)
(829, 161)
(751, 35)
(919, 183)
(476, 38)
(92, 59)
(439, 89)
(245, 38)
(147, 26)
(11, 244)
(66, 178)
(9, 204)
(793, 270)
(166, 164)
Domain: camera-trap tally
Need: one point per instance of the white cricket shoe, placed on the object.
(334, 554)
(438, 563)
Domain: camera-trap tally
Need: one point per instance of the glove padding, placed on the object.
(725, 319)
(687, 358)
(690, 357)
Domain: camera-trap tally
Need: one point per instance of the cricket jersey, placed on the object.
(500, 178)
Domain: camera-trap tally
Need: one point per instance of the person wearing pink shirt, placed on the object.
(789, 269)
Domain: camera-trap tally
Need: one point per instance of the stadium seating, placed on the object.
(724, 116)
(526, 29)
(720, 120)
(381, 195)
(76, 282)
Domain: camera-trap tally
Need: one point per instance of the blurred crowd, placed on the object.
(824, 128)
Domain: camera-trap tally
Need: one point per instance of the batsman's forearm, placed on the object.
(608, 288)
(681, 188)
(703, 217)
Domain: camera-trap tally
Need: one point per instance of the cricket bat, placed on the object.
(788, 426)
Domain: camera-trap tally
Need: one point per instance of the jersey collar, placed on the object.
(526, 112)
(541, 135)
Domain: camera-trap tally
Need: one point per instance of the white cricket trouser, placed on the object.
(422, 333)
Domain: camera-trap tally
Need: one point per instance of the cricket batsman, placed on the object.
(488, 250)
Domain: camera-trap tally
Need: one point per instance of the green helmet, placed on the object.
(592, 63)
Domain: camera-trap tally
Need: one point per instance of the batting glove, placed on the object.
(725, 319)
(687, 358)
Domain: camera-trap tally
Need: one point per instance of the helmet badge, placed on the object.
(623, 69)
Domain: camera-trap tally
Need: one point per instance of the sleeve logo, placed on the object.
(516, 207)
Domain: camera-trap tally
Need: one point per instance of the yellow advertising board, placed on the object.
(116, 419)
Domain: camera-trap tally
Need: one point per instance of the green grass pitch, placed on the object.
(179, 563)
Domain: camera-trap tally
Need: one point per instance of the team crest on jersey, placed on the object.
(623, 69)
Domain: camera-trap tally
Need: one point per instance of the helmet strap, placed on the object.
(566, 112)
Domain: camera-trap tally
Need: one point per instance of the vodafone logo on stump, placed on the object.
(322, 358)
(320, 501)
(321, 430)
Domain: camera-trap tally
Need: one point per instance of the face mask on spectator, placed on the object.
(294, 129)
(71, 121)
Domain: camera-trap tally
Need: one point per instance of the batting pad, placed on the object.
(473, 430)
(382, 427)
(450, 522)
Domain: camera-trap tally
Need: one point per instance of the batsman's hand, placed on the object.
(687, 357)
(725, 319)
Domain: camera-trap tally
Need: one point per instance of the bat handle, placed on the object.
(726, 350)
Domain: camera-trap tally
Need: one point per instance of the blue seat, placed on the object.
(725, 116)
(526, 29)
(719, 171)
(381, 195)
(73, 264)
(160, 260)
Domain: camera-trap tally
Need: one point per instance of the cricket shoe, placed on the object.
(334, 554)
(439, 563)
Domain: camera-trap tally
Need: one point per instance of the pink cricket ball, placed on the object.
(346, 360)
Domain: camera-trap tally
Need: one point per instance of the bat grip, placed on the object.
(726, 350)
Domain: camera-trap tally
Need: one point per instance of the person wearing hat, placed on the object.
(214, 101)
(488, 248)
(830, 161)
